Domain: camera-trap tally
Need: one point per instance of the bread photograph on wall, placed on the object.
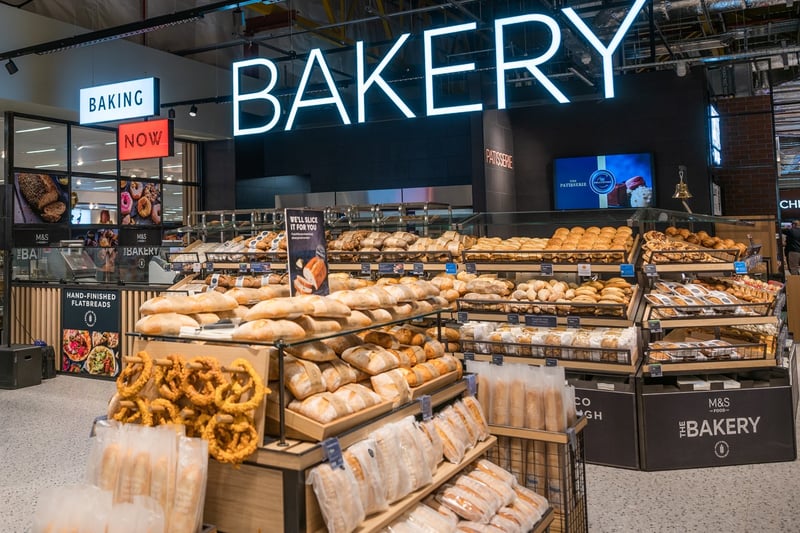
(40, 198)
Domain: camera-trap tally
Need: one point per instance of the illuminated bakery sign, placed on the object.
(317, 65)
(145, 140)
(119, 101)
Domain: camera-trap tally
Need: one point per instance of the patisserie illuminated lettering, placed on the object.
(316, 60)
(720, 427)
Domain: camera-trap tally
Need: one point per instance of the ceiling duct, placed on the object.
(667, 10)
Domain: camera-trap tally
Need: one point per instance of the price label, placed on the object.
(462, 317)
(244, 267)
(365, 268)
(195, 267)
(584, 270)
(740, 267)
(497, 359)
(656, 371)
(551, 361)
(472, 384)
(547, 269)
(386, 268)
(333, 452)
(471, 268)
(655, 326)
(261, 267)
(626, 270)
(425, 407)
(450, 268)
(419, 269)
(469, 356)
(573, 321)
(209, 265)
(541, 321)
(651, 270)
(513, 318)
(177, 267)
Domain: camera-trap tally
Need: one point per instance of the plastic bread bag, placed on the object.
(334, 489)
(465, 503)
(491, 497)
(133, 518)
(484, 465)
(499, 412)
(104, 456)
(505, 524)
(441, 508)
(396, 481)
(535, 459)
(483, 384)
(474, 408)
(411, 447)
(467, 526)
(360, 458)
(467, 422)
(65, 509)
(453, 447)
(517, 405)
(163, 460)
(503, 490)
(532, 498)
(428, 520)
(186, 514)
(432, 447)
(516, 516)
(457, 423)
(528, 512)
(402, 526)
(555, 414)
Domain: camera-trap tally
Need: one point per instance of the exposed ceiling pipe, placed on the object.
(670, 10)
(128, 30)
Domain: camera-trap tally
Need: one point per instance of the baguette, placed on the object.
(188, 488)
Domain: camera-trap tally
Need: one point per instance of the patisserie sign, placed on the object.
(119, 101)
(317, 64)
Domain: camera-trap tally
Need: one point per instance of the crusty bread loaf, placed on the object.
(280, 308)
(164, 324)
(269, 331)
(316, 351)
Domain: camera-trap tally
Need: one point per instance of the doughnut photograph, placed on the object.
(139, 203)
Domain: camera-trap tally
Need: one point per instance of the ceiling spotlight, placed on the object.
(681, 68)
(12, 67)
(171, 113)
(193, 111)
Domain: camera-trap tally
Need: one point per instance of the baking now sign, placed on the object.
(145, 140)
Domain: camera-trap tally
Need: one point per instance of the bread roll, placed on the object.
(164, 324)
(392, 386)
(280, 308)
(316, 351)
(269, 331)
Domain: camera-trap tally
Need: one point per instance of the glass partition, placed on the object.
(40, 144)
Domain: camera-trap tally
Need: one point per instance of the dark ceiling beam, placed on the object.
(128, 30)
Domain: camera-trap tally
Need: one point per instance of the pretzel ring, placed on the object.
(238, 387)
(208, 378)
(168, 379)
(139, 414)
(135, 376)
(169, 415)
(227, 445)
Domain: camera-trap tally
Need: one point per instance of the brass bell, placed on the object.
(681, 189)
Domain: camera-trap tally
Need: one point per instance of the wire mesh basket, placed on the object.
(553, 465)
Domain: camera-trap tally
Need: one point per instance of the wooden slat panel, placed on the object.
(131, 301)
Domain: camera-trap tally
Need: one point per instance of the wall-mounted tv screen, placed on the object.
(603, 181)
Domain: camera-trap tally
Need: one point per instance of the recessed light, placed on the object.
(42, 151)
(34, 129)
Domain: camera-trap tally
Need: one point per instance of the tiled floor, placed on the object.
(44, 440)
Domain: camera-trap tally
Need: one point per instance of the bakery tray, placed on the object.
(603, 257)
(704, 353)
(434, 384)
(565, 353)
(742, 309)
(355, 256)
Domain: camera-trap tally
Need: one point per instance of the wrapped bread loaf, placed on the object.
(341, 515)
(342, 342)
(361, 459)
(316, 351)
(336, 373)
(302, 378)
(323, 407)
(371, 358)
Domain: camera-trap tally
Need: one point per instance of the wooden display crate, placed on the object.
(225, 354)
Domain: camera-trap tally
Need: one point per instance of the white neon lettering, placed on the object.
(530, 64)
(606, 52)
(430, 72)
(334, 98)
(375, 77)
(263, 94)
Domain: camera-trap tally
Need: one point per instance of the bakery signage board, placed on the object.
(306, 249)
(119, 101)
(316, 67)
(149, 139)
(702, 429)
(90, 332)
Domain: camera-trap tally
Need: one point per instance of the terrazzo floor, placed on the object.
(44, 441)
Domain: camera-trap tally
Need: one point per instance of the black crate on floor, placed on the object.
(48, 362)
(20, 366)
